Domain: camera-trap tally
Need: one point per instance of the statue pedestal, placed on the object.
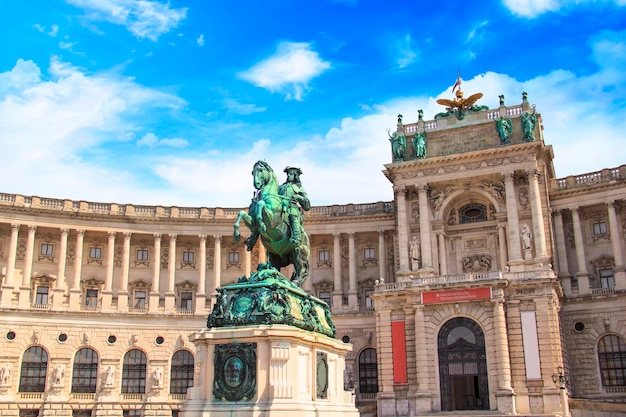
(271, 370)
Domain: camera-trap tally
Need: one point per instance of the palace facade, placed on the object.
(487, 283)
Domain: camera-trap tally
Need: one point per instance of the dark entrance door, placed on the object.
(462, 366)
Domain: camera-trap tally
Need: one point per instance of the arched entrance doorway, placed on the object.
(462, 366)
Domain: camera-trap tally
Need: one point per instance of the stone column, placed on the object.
(122, 295)
(59, 286)
(75, 291)
(617, 243)
(403, 226)
(502, 246)
(425, 235)
(382, 255)
(24, 300)
(561, 251)
(155, 294)
(385, 352)
(217, 267)
(7, 284)
(423, 364)
(337, 291)
(107, 294)
(582, 275)
(537, 213)
(353, 288)
(443, 261)
(170, 294)
(201, 294)
(515, 252)
(504, 395)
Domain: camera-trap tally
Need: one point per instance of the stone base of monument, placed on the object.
(268, 350)
(271, 370)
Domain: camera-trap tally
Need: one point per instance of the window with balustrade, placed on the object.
(368, 372)
(134, 372)
(612, 360)
(181, 372)
(85, 371)
(95, 255)
(42, 294)
(34, 370)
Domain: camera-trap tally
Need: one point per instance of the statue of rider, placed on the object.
(294, 199)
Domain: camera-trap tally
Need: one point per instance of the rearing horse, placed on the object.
(267, 218)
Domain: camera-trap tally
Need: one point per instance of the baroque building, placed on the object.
(483, 282)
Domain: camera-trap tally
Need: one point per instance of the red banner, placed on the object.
(398, 348)
(451, 296)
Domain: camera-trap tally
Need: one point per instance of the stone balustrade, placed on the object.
(605, 176)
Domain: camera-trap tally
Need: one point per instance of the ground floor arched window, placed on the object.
(181, 374)
(134, 372)
(85, 371)
(612, 359)
(368, 371)
(34, 370)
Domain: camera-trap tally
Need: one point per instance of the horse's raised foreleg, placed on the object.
(247, 220)
(261, 206)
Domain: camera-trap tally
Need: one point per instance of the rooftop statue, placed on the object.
(459, 105)
(398, 145)
(274, 216)
(529, 121)
(504, 127)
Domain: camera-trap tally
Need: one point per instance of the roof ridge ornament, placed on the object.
(459, 105)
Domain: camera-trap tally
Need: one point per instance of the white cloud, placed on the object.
(288, 71)
(152, 141)
(406, 51)
(200, 40)
(239, 108)
(53, 131)
(143, 18)
(534, 8)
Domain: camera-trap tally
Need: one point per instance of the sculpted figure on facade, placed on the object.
(529, 121)
(157, 377)
(5, 374)
(58, 375)
(398, 145)
(527, 237)
(415, 250)
(419, 143)
(495, 190)
(109, 376)
(504, 127)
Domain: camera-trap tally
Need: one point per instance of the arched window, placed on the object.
(85, 372)
(181, 374)
(34, 369)
(612, 358)
(472, 213)
(368, 372)
(134, 372)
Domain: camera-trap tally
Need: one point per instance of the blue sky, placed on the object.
(158, 103)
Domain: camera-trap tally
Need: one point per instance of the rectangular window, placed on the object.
(325, 297)
(368, 301)
(46, 249)
(91, 298)
(41, 296)
(186, 299)
(369, 254)
(188, 257)
(142, 255)
(131, 413)
(233, 257)
(95, 253)
(599, 228)
(324, 255)
(606, 278)
(140, 300)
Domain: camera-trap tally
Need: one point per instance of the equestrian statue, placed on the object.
(275, 216)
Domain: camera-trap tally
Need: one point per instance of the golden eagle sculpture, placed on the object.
(460, 105)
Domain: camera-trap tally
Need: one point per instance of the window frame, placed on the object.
(368, 371)
(34, 370)
(181, 371)
(134, 372)
(85, 371)
(612, 361)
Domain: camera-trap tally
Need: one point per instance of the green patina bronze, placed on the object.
(419, 143)
(504, 127)
(274, 216)
(529, 121)
(235, 372)
(267, 296)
